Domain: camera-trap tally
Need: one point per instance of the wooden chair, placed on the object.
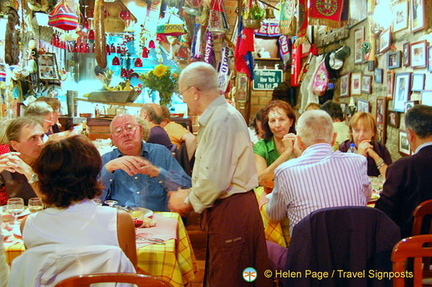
(423, 225)
(86, 280)
(415, 247)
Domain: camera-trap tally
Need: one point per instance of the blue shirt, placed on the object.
(140, 189)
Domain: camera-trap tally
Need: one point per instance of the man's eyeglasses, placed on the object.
(180, 95)
(128, 128)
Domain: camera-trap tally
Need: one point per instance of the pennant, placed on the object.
(303, 22)
(327, 12)
(287, 18)
(209, 54)
(224, 69)
(244, 47)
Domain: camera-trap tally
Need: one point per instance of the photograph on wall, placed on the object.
(356, 83)
(417, 82)
(426, 97)
(404, 147)
(358, 42)
(400, 16)
(362, 106)
(384, 41)
(418, 54)
(401, 91)
(393, 119)
(47, 67)
(378, 76)
(389, 83)
(393, 60)
(406, 59)
(417, 15)
(345, 85)
(366, 84)
(429, 58)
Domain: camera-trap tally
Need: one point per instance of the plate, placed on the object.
(140, 212)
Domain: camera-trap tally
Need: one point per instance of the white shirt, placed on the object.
(319, 178)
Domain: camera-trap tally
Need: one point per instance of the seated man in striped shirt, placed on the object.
(320, 177)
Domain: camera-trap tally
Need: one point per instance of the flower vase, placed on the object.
(164, 99)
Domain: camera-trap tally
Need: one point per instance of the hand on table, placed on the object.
(176, 202)
(133, 165)
(363, 147)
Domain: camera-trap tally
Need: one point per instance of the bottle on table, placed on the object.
(352, 148)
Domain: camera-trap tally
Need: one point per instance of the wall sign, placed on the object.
(265, 79)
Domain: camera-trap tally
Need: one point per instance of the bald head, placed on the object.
(152, 113)
(200, 75)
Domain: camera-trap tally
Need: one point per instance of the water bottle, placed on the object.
(352, 148)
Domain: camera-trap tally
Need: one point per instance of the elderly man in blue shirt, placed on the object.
(137, 173)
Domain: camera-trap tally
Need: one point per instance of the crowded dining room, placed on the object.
(207, 143)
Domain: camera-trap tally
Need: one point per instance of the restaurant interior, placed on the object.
(372, 56)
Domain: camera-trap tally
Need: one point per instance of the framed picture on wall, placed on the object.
(400, 16)
(429, 58)
(378, 76)
(47, 67)
(426, 97)
(362, 105)
(417, 82)
(401, 91)
(381, 110)
(406, 59)
(384, 41)
(417, 15)
(358, 42)
(393, 60)
(393, 119)
(404, 147)
(418, 54)
(345, 85)
(366, 87)
(356, 83)
(389, 82)
(410, 104)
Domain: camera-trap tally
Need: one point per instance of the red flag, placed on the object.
(244, 47)
(329, 12)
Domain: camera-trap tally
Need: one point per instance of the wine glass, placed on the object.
(15, 206)
(35, 204)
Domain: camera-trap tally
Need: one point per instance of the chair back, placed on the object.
(416, 247)
(48, 264)
(419, 213)
(137, 279)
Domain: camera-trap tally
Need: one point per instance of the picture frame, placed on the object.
(417, 15)
(417, 82)
(378, 76)
(390, 84)
(384, 41)
(394, 60)
(401, 16)
(418, 54)
(393, 119)
(47, 67)
(366, 86)
(406, 59)
(345, 85)
(355, 88)
(357, 12)
(359, 35)
(362, 105)
(401, 91)
(410, 104)
(426, 97)
(404, 147)
(381, 118)
(429, 58)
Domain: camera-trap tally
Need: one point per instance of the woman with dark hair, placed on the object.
(66, 180)
(277, 144)
(364, 134)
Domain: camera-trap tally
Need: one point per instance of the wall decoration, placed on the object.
(389, 81)
(384, 41)
(429, 58)
(366, 86)
(378, 76)
(426, 97)
(358, 41)
(357, 12)
(362, 106)
(406, 59)
(417, 15)
(418, 54)
(393, 60)
(356, 83)
(401, 91)
(345, 85)
(47, 67)
(417, 82)
(409, 105)
(381, 116)
(393, 119)
(401, 16)
(404, 147)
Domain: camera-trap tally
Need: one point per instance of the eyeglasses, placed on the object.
(128, 128)
(180, 95)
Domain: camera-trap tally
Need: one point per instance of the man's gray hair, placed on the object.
(200, 75)
(315, 126)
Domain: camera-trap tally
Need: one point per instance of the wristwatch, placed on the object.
(33, 178)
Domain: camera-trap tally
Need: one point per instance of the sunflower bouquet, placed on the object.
(163, 80)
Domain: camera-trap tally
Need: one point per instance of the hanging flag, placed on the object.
(302, 15)
(244, 62)
(223, 69)
(287, 18)
(209, 54)
(329, 13)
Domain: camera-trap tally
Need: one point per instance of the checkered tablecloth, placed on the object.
(173, 261)
(277, 232)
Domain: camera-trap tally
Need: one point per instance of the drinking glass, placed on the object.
(15, 206)
(35, 204)
(110, 202)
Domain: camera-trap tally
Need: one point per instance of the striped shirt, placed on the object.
(319, 178)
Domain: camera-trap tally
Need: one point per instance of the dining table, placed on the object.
(164, 250)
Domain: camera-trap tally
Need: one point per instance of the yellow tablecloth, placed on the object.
(173, 261)
(277, 232)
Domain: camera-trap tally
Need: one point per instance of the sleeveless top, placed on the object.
(83, 223)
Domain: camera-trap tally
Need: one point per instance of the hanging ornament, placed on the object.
(217, 22)
(171, 25)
